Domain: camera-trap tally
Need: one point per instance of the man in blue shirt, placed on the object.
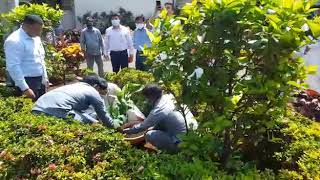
(72, 100)
(141, 39)
(25, 58)
(92, 44)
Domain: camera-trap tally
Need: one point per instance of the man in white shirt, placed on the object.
(118, 42)
(25, 58)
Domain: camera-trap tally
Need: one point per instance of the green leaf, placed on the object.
(295, 84)
(314, 27)
(312, 69)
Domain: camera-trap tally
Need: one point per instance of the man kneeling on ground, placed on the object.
(163, 123)
(72, 100)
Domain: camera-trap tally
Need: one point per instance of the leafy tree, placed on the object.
(233, 62)
(103, 20)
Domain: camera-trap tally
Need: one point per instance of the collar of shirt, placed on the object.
(24, 34)
(141, 30)
(90, 30)
(121, 28)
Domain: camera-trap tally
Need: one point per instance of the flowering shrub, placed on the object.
(73, 56)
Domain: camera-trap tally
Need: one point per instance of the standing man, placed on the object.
(92, 44)
(25, 58)
(118, 42)
(170, 9)
(141, 39)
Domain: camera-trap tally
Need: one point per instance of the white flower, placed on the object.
(305, 27)
(288, 28)
(176, 22)
(252, 41)
(199, 72)
(201, 37)
(271, 11)
(211, 63)
(163, 56)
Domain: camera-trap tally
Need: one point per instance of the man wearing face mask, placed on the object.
(25, 58)
(92, 44)
(141, 39)
(118, 42)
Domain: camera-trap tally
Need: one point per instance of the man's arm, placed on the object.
(101, 43)
(106, 41)
(134, 39)
(130, 43)
(96, 101)
(83, 41)
(152, 120)
(13, 53)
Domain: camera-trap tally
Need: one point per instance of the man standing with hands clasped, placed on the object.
(92, 44)
(141, 39)
(25, 58)
(118, 42)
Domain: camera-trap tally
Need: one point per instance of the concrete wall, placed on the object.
(7, 5)
(3, 6)
(137, 7)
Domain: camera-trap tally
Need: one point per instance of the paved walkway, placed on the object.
(106, 66)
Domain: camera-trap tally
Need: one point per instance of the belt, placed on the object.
(119, 51)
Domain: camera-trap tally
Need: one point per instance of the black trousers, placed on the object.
(119, 60)
(35, 84)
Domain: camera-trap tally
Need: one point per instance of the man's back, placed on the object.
(60, 101)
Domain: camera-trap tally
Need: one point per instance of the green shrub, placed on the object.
(129, 75)
(299, 154)
(51, 16)
(133, 76)
(39, 147)
(235, 63)
(6, 91)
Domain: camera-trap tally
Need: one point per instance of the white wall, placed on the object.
(137, 7)
(3, 6)
(6, 5)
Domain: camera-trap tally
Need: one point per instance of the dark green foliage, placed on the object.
(132, 76)
(6, 91)
(249, 70)
(129, 75)
(103, 20)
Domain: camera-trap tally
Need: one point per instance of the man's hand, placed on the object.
(107, 57)
(46, 83)
(29, 93)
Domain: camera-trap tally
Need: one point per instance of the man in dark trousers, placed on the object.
(118, 42)
(25, 58)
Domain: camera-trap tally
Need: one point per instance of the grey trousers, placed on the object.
(95, 58)
(163, 140)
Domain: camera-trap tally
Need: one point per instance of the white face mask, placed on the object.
(115, 22)
(140, 25)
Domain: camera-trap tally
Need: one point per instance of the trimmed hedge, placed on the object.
(39, 147)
